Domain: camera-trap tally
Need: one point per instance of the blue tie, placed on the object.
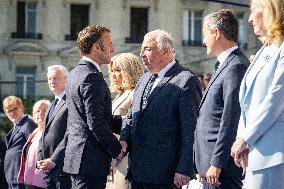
(217, 64)
(52, 108)
(15, 129)
(148, 90)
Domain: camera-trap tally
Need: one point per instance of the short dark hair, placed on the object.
(225, 21)
(90, 35)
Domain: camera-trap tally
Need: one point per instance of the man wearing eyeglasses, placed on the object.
(15, 139)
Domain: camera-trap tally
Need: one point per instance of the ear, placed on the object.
(218, 34)
(166, 50)
(96, 47)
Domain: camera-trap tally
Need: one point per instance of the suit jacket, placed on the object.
(91, 143)
(160, 136)
(120, 107)
(262, 116)
(52, 143)
(3, 184)
(15, 145)
(219, 113)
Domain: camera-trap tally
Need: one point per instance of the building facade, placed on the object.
(35, 34)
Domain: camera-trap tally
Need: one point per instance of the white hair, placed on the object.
(163, 38)
(61, 68)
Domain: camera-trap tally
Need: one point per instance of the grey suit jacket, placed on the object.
(52, 143)
(91, 143)
(160, 137)
(218, 117)
(15, 145)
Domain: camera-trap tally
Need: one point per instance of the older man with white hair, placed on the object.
(159, 129)
(52, 144)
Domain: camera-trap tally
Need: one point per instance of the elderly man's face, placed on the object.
(56, 81)
(151, 55)
(14, 112)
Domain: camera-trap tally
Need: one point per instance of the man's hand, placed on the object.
(124, 146)
(212, 175)
(45, 165)
(181, 180)
(199, 178)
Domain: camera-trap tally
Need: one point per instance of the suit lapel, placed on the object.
(243, 84)
(58, 107)
(143, 85)
(218, 72)
(120, 99)
(249, 83)
(8, 136)
(13, 134)
(168, 76)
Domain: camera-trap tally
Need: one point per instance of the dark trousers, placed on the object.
(226, 183)
(57, 181)
(142, 185)
(16, 186)
(88, 182)
(32, 187)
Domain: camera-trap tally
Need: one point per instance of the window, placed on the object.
(25, 81)
(192, 22)
(79, 20)
(27, 21)
(138, 25)
(242, 31)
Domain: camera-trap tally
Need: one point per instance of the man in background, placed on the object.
(15, 139)
(52, 143)
(220, 109)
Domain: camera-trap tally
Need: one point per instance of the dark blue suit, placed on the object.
(52, 145)
(91, 143)
(218, 119)
(160, 137)
(15, 145)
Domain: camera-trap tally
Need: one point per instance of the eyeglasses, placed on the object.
(13, 110)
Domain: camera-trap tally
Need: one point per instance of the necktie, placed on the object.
(217, 63)
(15, 129)
(148, 90)
(52, 108)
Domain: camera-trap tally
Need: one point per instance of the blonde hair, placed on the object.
(10, 101)
(37, 105)
(274, 19)
(131, 70)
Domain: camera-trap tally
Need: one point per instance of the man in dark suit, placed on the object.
(159, 129)
(52, 143)
(15, 139)
(219, 109)
(91, 143)
(3, 183)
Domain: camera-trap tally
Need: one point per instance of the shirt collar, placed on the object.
(19, 120)
(93, 62)
(163, 71)
(59, 97)
(224, 55)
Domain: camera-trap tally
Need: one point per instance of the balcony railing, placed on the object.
(191, 43)
(26, 35)
(133, 40)
(71, 37)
